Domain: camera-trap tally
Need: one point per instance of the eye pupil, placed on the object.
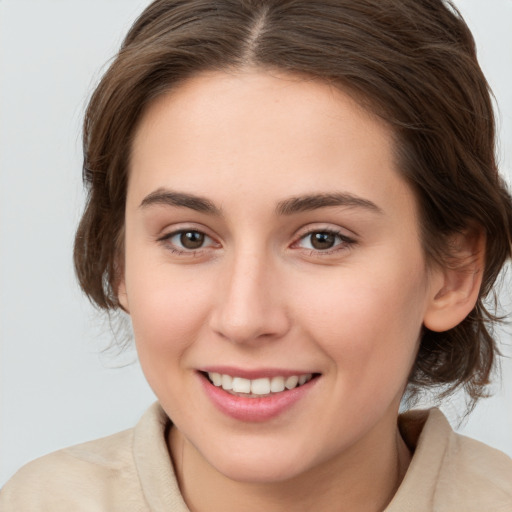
(192, 239)
(323, 240)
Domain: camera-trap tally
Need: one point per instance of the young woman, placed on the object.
(297, 204)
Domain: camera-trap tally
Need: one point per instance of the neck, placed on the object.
(366, 479)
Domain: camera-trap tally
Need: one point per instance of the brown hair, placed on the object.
(411, 62)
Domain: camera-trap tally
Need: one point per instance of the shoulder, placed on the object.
(127, 472)
(450, 471)
(118, 473)
(472, 470)
(88, 476)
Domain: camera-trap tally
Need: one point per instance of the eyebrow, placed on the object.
(315, 201)
(289, 206)
(181, 199)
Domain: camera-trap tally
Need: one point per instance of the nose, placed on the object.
(250, 304)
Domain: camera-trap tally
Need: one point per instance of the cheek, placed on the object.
(167, 307)
(168, 316)
(368, 322)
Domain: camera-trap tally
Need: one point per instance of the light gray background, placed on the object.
(58, 385)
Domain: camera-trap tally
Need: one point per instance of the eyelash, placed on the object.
(344, 242)
(165, 240)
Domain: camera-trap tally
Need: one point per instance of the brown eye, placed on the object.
(188, 242)
(326, 242)
(322, 240)
(192, 239)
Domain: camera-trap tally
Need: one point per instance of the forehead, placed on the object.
(214, 99)
(277, 134)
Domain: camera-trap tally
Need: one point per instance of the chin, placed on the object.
(260, 465)
(259, 472)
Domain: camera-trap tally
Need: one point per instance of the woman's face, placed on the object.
(269, 237)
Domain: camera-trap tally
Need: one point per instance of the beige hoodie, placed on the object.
(132, 472)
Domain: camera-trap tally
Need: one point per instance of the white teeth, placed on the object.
(227, 382)
(262, 386)
(216, 378)
(241, 385)
(291, 382)
(277, 384)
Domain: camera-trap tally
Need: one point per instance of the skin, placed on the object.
(257, 294)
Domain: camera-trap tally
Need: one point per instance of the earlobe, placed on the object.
(119, 283)
(122, 297)
(456, 287)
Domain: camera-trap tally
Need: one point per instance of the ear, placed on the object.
(119, 284)
(455, 287)
(122, 297)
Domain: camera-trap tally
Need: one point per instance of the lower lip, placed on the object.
(255, 409)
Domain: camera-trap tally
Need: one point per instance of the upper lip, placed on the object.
(254, 373)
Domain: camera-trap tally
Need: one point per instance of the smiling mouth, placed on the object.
(257, 388)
